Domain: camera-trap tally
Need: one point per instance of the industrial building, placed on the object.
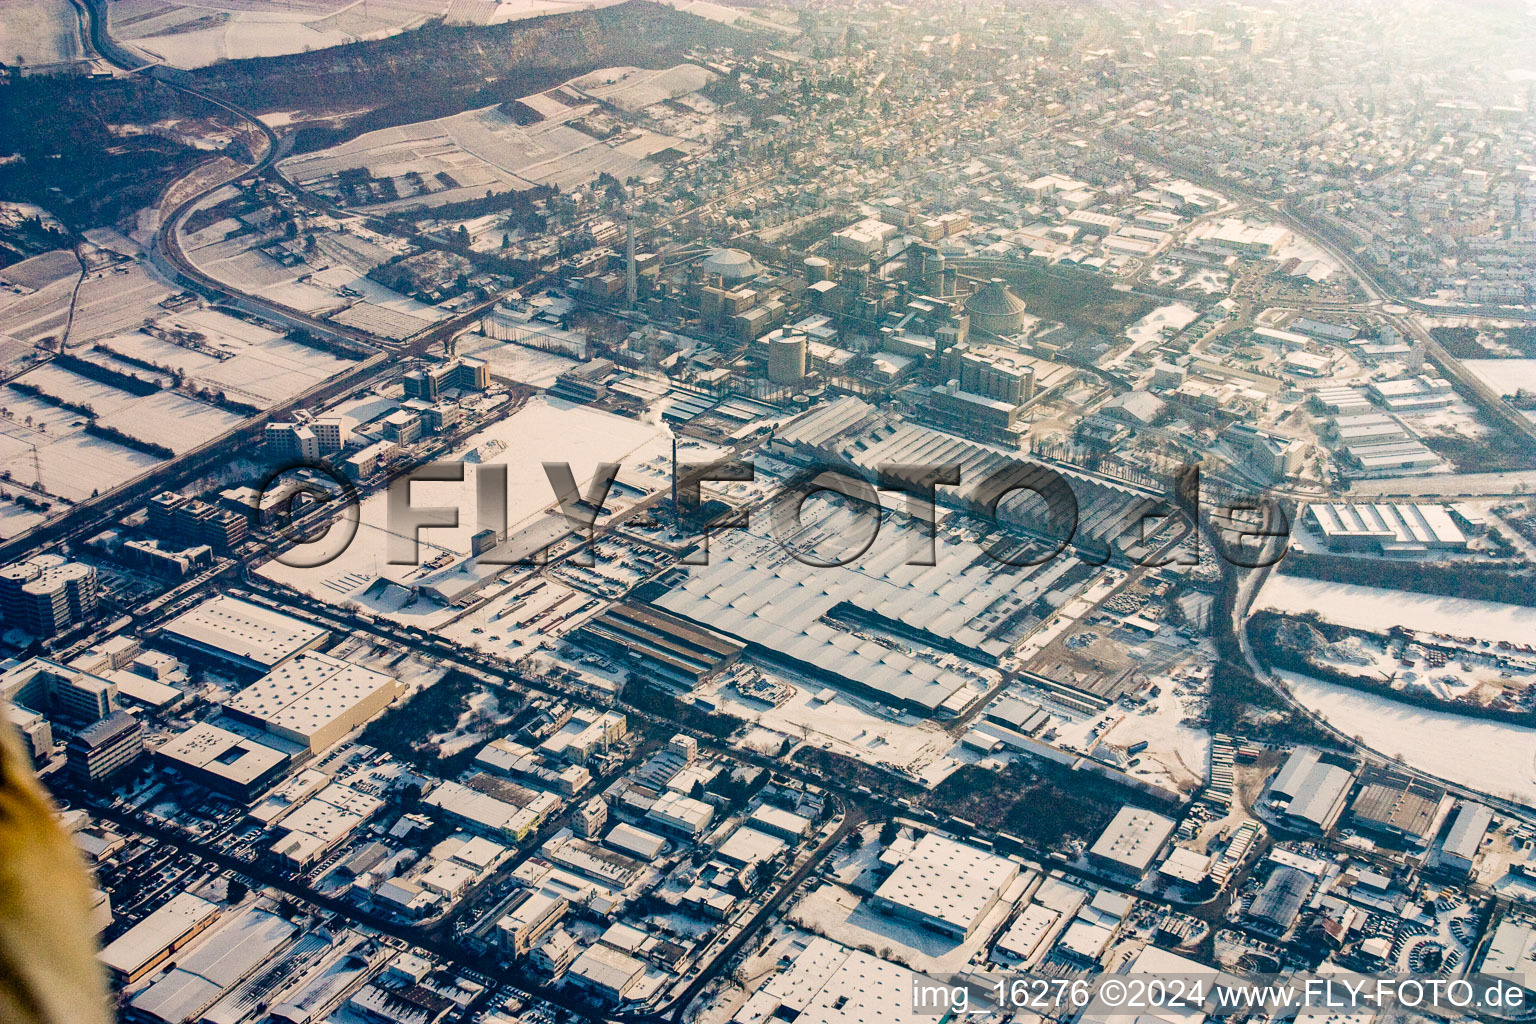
(945, 886)
(637, 842)
(1511, 953)
(243, 634)
(606, 973)
(1029, 933)
(1399, 806)
(322, 823)
(1132, 840)
(756, 589)
(1281, 899)
(230, 952)
(1385, 528)
(682, 815)
(493, 807)
(1459, 847)
(1309, 791)
(776, 821)
(225, 762)
(822, 982)
(666, 645)
(146, 945)
(530, 915)
(314, 699)
(994, 308)
(586, 734)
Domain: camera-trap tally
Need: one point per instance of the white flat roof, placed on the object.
(309, 692)
(221, 752)
(749, 846)
(332, 814)
(245, 631)
(637, 841)
(1133, 837)
(948, 881)
(153, 935)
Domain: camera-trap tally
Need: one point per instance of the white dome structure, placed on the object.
(731, 264)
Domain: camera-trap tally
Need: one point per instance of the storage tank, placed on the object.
(996, 309)
(786, 359)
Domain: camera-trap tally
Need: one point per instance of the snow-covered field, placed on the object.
(331, 282)
(1505, 376)
(1377, 609)
(246, 361)
(35, 295)
(39, 32)
(516, 362)
(1177, 755)
(1172, 318)
(487, 149)
(1489, 756)
(638, 88)
(196, 34)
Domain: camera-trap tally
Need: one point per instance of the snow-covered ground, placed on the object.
(37, 32)
(193, 35)
(1171, 318)
(1377, 609)
(1177, 755)
(848, 725)
(1488, 756)
(1505, 376)
(546, 430)
(507, 359)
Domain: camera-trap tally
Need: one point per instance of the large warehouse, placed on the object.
(945, 886)
(1399, 806)
(1309, 792)
(146, 945)
(666, 645)
(758, 588)
(1385, 528)
(314, 699)
(243, 634)
(1132, 841)
(225, 762)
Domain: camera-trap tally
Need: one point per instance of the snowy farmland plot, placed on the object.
(36, 33)
(194, 35)
(330, 281)
(457, 158)
(248, 362)
(189, 35)
(114, 299)
(43, 436)
(74, 464)
(516, 362)
(1492, 757)
(34, 298)
(1378, 610)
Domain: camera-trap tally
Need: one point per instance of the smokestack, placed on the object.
(676, 518)
(631, 286)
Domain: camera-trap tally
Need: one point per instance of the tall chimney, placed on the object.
(676, 518)
(631, 285)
